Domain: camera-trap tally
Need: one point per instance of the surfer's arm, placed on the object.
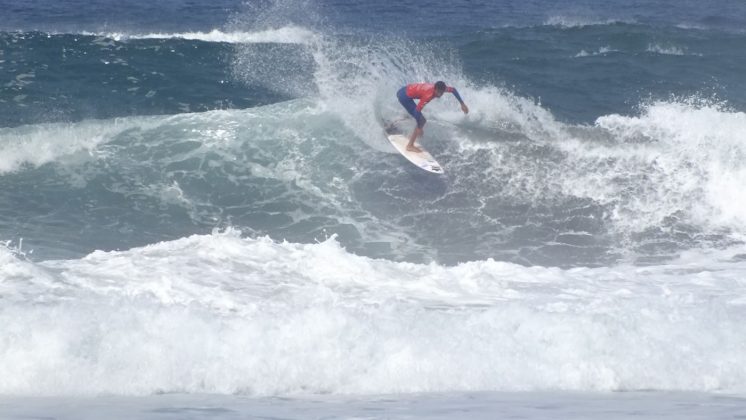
(455, 93)
(461, 101)
(422, 103)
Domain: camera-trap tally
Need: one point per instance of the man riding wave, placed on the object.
(425, 92)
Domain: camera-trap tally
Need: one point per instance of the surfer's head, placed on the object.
(440, 88)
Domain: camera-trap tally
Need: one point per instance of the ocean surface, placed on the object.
(200, 215)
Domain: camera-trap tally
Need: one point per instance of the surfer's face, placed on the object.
(438, 93)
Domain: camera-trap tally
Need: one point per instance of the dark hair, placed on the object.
(440, 86)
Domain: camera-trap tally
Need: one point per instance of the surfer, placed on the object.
(425, 92)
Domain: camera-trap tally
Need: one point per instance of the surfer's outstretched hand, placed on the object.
(464, 108)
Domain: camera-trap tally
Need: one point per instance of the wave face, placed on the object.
(651, 186)
(222, 193)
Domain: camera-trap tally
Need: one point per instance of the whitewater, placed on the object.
(206, 220)
(361, 326)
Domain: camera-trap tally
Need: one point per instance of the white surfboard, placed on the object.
(423, 159)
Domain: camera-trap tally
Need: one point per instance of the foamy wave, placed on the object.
(601, 51)
(222, 314)
(36, 145)
(285, 35)
(676, 158)
(668, 50)
(692, 26)
(579, 22)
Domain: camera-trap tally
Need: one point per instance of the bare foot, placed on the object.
(414, 149)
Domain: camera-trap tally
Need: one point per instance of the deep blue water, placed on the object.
(529, 47)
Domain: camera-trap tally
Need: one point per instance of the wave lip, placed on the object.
(284, 35)
(667, 50)
(568, 22)
(600, 51)
(693, 153)
(36, 145)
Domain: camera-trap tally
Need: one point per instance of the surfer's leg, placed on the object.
(407, 102)
(416, 133)
(411, 107)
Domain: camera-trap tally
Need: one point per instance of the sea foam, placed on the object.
(283, 35)
(224, 314)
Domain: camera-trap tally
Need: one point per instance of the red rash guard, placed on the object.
(425, 92)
